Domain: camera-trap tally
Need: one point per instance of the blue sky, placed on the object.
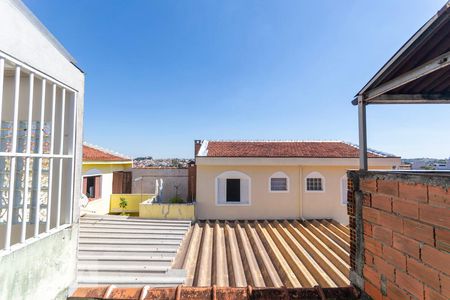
(160, 74)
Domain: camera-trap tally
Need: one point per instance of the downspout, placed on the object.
(300, 173)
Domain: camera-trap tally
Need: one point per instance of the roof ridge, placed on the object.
(279, 141)
(282, 148)
(107, 151)
(373, 151)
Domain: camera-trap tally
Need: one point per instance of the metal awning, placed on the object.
(419, 73)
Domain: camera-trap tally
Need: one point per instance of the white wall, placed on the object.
(48, 272)
(171, 178)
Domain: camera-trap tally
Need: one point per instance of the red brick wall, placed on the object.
(406, 245)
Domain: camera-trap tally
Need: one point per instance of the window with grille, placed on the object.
(279, 182)
(37, 143)
(315, 182)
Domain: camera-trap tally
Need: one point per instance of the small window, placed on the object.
(278, 184)
(91, 187)
(233, 190)
(315, 182)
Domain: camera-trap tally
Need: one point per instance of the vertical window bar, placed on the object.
(50, 171)
(72, 179)
(27, 160)
(12, 173)
(41, 144)
(61, 160)
(2, 70)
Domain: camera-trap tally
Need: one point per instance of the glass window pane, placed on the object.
(278, 184)
(314, 184)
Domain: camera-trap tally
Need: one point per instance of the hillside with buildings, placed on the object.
(150, 162)
(427, 163)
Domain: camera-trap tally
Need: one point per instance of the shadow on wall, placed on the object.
(170, 182)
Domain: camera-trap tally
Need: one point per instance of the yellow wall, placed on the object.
(167, 211)
(132, 199)
(105, 169)
(294, 204)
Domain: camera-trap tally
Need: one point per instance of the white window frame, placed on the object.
(66, 154)
(315, 174)
(279, 175)
(233, 175)
(344, 190)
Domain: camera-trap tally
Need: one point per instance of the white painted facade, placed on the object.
(31, 59)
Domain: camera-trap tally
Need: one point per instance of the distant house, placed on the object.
(104, 174)
(277, 180)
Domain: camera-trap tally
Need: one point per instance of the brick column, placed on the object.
(400, 234)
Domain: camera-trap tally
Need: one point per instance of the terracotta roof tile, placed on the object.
(213, 292)
(319, 149)
(93, 153)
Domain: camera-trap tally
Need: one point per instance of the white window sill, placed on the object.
(233, 204)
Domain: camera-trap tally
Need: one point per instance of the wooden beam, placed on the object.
(431, 66)
(411, 99)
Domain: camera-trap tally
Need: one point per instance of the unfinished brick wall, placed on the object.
(400, 235)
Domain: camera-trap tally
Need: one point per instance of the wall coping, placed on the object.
(436, 178)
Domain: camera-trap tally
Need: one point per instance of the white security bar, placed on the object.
(40, 149)
(50, 171)
(14, 231)
(61, 149)
(72, 179)
(2, 70)
(27, 161)
(12, 164)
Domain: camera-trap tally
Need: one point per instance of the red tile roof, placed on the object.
(319, 149)
(93, 153)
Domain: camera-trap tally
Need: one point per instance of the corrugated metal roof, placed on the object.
(129, 251)
(266, 254)
(429, 42)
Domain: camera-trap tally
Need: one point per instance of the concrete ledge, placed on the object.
(175, 211)
(438, 178)
(133, 201)
(45, 269)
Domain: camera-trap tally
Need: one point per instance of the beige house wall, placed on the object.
(294, 204)
(263, 204)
